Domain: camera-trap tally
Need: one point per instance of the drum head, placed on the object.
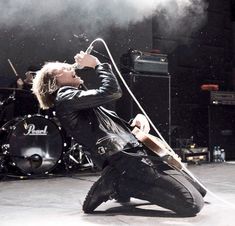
(36, 144)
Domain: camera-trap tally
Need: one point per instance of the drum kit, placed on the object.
(32, 142)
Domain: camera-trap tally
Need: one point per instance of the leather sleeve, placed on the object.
(108, 90)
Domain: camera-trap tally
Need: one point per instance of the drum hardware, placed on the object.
(2, 164)
(3, 168)
(76, 157)
(15, 103)
(35, 160)
(35, 145)
(4, 104)
(8, 100)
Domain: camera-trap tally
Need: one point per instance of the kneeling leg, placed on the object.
(171, 190)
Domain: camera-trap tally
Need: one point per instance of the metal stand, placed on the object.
(76, 158)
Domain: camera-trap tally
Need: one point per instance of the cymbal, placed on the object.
(18, 92)
(3, 89)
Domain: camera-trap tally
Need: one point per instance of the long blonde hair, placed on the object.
(45, 85)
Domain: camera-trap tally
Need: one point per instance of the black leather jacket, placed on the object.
(100, 131)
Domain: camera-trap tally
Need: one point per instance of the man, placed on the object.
(22, 102)
(26, 83)
(129, 170)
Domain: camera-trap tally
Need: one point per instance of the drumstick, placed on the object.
(9, 61)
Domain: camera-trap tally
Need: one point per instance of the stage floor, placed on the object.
(58, 201)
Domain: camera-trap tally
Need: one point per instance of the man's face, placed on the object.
(29, 75)
(66, 76)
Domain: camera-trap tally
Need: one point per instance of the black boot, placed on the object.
(102, 190)
(123, 199)
(123, 196)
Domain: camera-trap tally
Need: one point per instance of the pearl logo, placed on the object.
(31, 131)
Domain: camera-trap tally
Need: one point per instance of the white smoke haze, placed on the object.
(94, 15)
(32, 31)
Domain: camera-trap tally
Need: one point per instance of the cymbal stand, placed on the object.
(8, 100)
(4, 104)
(3, 163)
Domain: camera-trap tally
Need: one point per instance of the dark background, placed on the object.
(199, 52)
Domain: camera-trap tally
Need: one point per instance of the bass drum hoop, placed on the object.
(35, 144)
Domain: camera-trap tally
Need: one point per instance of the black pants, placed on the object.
(143, 178)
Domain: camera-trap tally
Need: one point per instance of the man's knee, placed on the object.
(191, 210)
(192, 204)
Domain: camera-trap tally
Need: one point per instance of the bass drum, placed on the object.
(34, 144)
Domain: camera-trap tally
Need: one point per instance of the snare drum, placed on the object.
(34, 144)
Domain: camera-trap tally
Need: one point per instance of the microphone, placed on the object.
(88, 51)
(35, 161)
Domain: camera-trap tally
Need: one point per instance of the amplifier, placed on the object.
(222, 97)
(145, 62)
(151, 63)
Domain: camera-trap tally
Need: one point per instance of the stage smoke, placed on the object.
(94, 15)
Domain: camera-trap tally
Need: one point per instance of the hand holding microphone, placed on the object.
(84, 59)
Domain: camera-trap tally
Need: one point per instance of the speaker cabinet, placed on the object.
(222, 129)
(153, 94)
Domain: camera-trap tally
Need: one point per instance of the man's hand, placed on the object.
(141, 122)
(86, 60)
(19, 83)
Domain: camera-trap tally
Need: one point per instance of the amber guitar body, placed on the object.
(159, 148)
